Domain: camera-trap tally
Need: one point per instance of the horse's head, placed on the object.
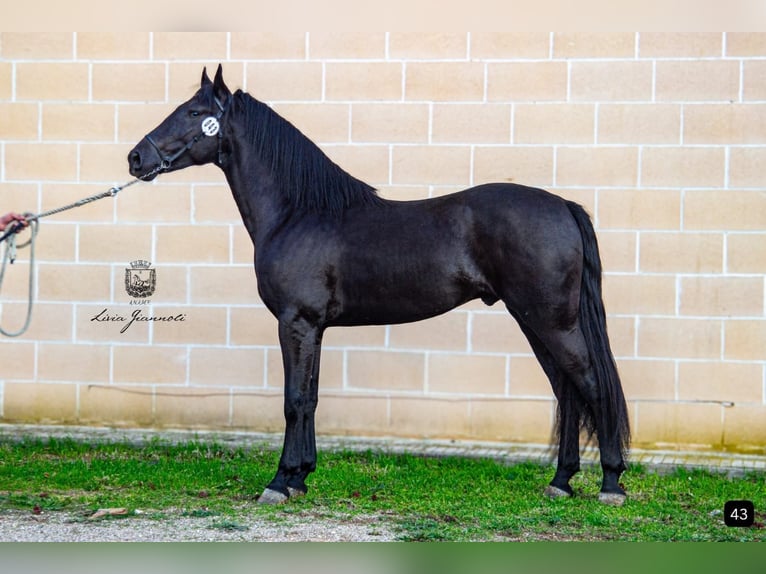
(191, 135)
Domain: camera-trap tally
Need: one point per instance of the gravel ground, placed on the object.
(59, 526)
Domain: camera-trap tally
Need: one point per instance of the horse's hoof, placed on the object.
(611, 498)
(272, 497)
(295, 492)
(555, 492)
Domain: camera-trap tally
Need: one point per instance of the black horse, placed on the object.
(330, 252)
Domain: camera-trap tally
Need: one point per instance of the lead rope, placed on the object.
(10, 254)
(10, 238)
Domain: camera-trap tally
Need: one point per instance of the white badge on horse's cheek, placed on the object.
(210, 126)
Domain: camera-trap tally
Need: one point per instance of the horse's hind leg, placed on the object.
(568, 423)
(570, 351)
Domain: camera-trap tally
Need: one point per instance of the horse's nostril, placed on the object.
(135, 160)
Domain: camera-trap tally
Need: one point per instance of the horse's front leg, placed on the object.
(301, 349)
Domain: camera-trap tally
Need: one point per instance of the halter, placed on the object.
(210, 127)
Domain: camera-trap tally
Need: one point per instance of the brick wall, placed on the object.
(661, 136)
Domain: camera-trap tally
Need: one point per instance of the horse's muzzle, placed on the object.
(140, 160)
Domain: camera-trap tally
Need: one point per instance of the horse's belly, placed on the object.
(404, 299)
(388, 313)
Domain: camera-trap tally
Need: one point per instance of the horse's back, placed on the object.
(516, 203)
(521, 223)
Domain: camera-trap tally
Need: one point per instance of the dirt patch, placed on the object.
(60, 526)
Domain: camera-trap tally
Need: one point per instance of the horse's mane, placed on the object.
(309, 180)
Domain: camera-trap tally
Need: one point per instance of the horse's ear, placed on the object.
(220, 89)
(205, 79)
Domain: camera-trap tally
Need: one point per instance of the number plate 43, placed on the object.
(738, 513)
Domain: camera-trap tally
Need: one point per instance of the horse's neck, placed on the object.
(256, 195)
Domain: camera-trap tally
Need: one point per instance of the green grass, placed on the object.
(424, 499)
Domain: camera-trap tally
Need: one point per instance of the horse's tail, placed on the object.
(614, 411)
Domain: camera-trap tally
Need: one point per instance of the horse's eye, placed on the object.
(193, 113)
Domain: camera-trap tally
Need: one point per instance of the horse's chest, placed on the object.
(293, 282)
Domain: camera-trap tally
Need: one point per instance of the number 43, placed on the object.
(738, 513)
